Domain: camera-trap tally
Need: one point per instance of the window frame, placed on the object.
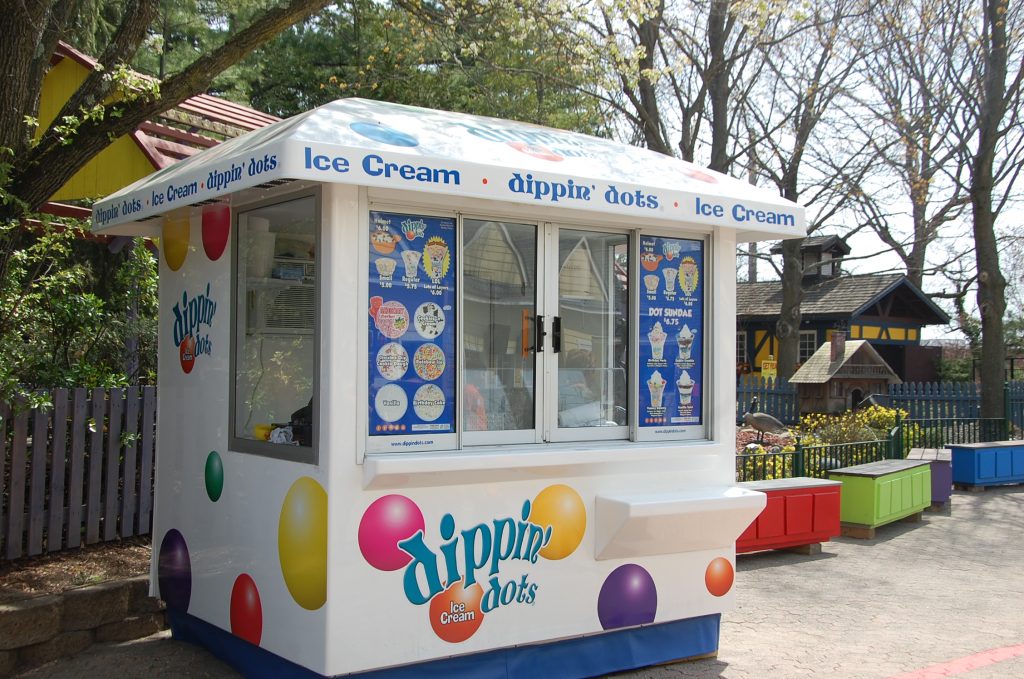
(800, 344)
(306, 454)
(553, 433)
(741, 357)
(546, 433)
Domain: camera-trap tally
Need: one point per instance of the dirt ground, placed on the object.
(54, 573)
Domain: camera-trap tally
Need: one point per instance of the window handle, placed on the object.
(539, 334)
(556, 334)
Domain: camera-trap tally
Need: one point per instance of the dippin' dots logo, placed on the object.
(190, 317)
(464, 578)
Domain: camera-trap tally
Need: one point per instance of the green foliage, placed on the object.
(759, 464)
(69, 307)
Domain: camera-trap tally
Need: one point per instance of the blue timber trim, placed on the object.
(587, 656)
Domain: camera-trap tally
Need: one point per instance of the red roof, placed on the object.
(195, 124)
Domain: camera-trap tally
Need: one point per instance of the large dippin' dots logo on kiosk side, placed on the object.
(466, 576)
(190, 336)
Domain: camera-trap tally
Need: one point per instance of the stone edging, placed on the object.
(36, 631)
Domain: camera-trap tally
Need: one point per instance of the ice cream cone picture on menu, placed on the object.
(689, 276)
(684, 340)
(649, 261)
(383, 241)
(685, 386)
(656, 386)
(435, 260)
(657, 337)
(670, 280)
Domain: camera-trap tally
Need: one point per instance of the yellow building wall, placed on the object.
(764, 351)
(115, 167)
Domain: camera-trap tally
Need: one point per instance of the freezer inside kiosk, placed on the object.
(442, 393)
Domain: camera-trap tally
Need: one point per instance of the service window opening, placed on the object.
(274, 363)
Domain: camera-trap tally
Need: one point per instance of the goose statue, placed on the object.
(762, 423)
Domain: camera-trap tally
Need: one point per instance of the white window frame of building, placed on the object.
(802, 354)
(741, 347)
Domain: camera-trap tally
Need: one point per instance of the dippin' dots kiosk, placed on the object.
(442, 394)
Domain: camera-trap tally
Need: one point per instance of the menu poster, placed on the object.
(412, 325)
(671, 332)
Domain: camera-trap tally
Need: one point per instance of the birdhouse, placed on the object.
(840, 375)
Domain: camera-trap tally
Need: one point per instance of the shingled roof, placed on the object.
(819, 368)
(841, 297)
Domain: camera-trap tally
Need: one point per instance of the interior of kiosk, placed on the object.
(504, 352)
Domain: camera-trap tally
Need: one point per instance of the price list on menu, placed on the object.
(671, 332)
(412, 325)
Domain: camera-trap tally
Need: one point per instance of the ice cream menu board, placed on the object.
(412, 325)
(671, 331)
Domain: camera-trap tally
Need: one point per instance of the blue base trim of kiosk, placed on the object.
(578, 657)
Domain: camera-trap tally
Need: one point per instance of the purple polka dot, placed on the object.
(628, 597)
(174, 571)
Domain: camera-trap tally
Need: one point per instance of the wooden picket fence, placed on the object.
(937, 400)
(776, 397)
(78, 471)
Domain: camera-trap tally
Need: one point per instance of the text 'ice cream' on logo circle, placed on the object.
(656, 386)
(685, 386)
(391, 403)
(456, 613)
(428, 402)
(436, 258)
(392, 361)
(429, 320)
(657, 337)
(684, 340)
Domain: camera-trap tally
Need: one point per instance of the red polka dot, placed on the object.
(675, 204)
(485, 180)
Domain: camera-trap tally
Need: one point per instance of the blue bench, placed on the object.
(977, 465)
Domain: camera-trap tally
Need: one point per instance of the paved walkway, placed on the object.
(940, 598)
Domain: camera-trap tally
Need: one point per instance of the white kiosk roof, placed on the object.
(380, 144)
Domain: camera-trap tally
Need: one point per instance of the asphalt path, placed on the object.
(940, 598)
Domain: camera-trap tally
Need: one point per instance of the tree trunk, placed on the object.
(991, 284)
(787, 328)
(648, 34)
(718, 85)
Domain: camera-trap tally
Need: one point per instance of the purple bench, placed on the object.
(942, 473)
